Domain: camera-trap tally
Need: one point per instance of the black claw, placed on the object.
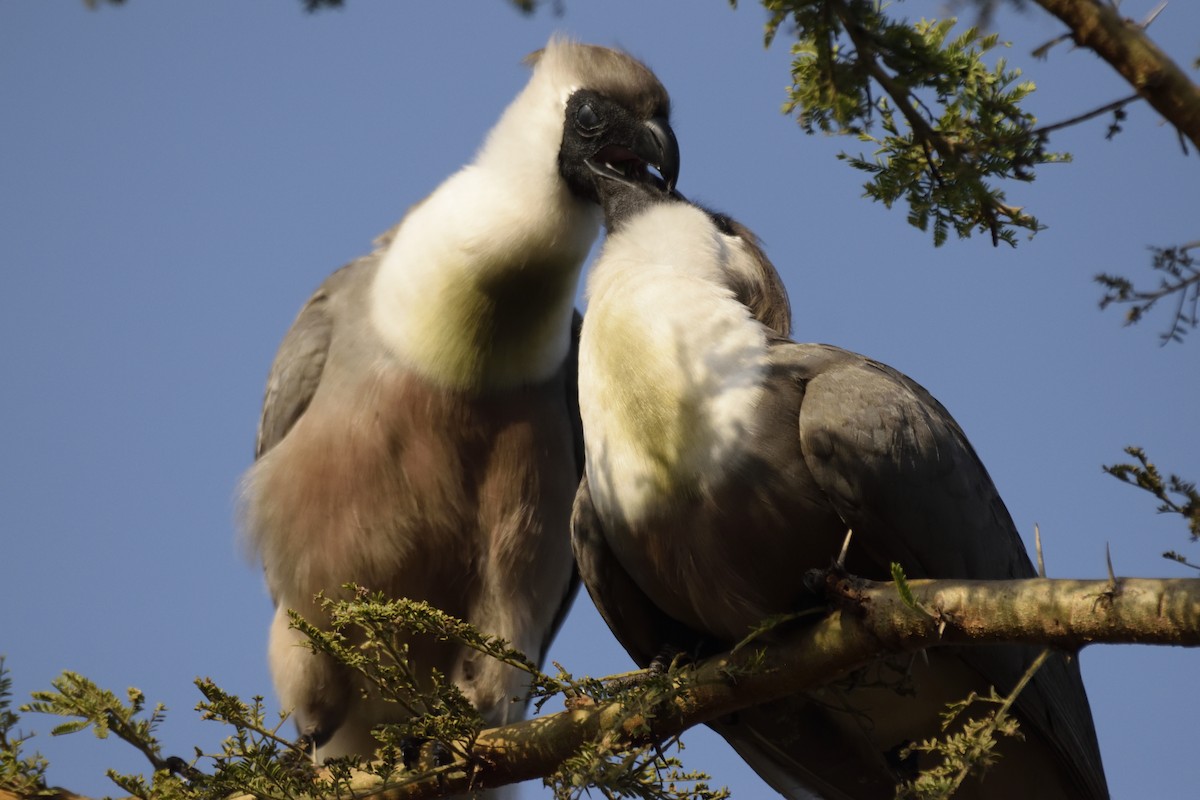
(905, 767)
(410, 752)
(813, 581)
(662, 662)
(313, 737)
(419, 753)
(440, 754)
(181, 768)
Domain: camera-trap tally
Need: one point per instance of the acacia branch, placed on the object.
(901, 96)
(1126, 47)
(868, 620)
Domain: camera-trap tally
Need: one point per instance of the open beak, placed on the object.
(658, 148)
(652, 146)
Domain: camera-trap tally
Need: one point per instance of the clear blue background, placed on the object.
(176, 178)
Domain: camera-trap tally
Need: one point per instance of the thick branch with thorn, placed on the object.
(868, 620)
(1126, 47)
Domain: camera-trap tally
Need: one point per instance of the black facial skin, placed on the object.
(604, 142)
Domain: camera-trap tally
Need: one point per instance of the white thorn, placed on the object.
(1037, 542)
(1153, 15)
(841, 559)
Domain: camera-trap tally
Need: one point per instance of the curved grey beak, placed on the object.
(658, 147)
(651, 144)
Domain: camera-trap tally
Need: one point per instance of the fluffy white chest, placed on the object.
(670, 374)
(476, 288)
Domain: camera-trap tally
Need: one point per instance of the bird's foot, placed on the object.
(301, 758)
(668, 656)
(421, 753)
(183, 769)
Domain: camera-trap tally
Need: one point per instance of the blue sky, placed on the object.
(177, 177)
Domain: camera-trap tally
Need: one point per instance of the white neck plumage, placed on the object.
(671, 364)
(476, 289)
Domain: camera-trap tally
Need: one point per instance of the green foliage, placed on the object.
(971, 747)
(369, 633)
(901, 581)
(645, 772)
(968, 749)
(1146, 476)
(951, 127)
(365, 634)
(1180, 280)
(20, 774)
(441, 713)
(906, 594)
(254, 760)
(84, 705)
(774, 622)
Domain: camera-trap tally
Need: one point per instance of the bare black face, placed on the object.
(604, 141)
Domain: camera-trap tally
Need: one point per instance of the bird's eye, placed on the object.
(586, 121)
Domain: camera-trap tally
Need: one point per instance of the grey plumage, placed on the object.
(766, 452)
(753, 279)
(420, 431)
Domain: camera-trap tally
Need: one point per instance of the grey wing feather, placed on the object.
(646, 632)
(300, 361)
(766, 736)
(876, 442)
(296, 372)
(638, 624)
(900, 472)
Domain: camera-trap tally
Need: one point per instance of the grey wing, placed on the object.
(641, 627)
(898, 469)
(646, 632)
(900, 472)
(298, 366)
(780, 741)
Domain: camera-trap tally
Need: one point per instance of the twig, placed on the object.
(1113, 106)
